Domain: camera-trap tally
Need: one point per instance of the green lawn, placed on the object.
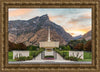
(86, 60)
(11, 60)
(87, 56)
(10, 56)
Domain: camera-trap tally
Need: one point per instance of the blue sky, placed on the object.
(76, 21)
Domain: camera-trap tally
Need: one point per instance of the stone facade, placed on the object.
(47, 44)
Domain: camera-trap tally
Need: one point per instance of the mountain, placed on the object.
(34, 30)
(77, 37)
(87, 36)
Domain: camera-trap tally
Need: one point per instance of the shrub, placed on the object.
(72, 58)
(31, 47)
(35, 53)
(29, 58)
(67, 57)
(23, 58)
(49, 57)
(32, 53)
(68, 48)
(62, 53)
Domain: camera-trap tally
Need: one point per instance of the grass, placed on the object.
(87, 56)
(10, 56)
(86, 60)
(11, 60)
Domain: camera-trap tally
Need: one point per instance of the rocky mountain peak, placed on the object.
(31, 31)
(44, 17)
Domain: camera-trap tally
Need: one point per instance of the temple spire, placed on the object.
(48, 34)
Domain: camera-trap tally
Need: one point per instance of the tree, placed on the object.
(79, 46)
(88, 46)
(68, 48)
(73, 43)
(31, 47)
(11, 45)
(19, 46)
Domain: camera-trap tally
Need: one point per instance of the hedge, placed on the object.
(49, 57)
(35, 53)
(23, 58)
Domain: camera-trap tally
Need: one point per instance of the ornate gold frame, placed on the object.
(4, 5)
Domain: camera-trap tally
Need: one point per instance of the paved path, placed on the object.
(49, 62)
(38, 57)
(59, 57)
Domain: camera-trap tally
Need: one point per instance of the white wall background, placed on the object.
(20, 53)
(75, 53)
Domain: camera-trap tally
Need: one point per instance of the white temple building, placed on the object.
(49, 44)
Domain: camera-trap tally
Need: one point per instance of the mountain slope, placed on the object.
(87, 36)
(34, 30)
(77, 37)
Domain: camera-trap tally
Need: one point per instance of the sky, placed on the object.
(76, 21)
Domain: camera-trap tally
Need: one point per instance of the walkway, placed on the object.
(58, 57)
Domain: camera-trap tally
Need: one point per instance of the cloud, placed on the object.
(78, 31)
(74, 20)
(80, 18)
(58, 19)
(18, 12)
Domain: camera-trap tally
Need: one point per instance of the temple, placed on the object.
(49, 44)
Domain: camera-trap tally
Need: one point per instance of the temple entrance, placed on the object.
(48, 54)
(49, 50)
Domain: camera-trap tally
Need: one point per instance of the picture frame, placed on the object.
(5, 67)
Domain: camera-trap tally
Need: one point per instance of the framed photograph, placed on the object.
(47, 35)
